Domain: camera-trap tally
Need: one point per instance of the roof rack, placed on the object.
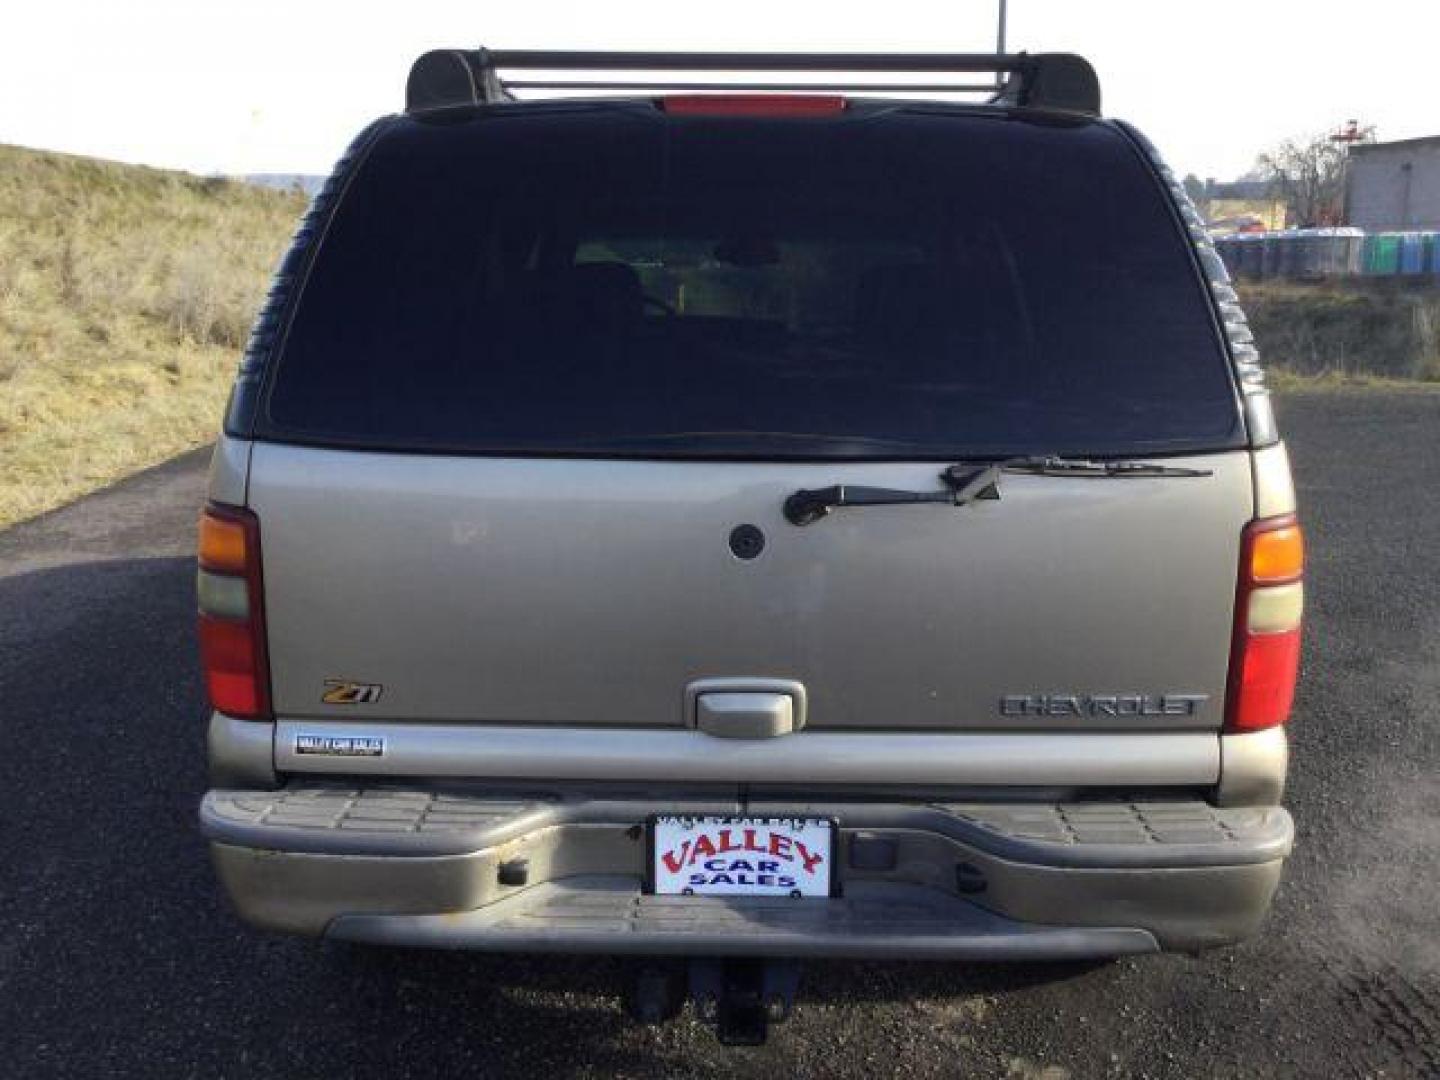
(449, 77)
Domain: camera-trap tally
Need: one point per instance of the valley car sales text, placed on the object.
(738, 856)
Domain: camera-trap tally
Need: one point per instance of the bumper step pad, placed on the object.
(396, 820)
(1150, 825)
(379, 820)
(605, 914)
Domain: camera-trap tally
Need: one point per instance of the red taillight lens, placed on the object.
(754, 104)
(227, 651)
(232, 618)
(1265, 689)
(1265, 656)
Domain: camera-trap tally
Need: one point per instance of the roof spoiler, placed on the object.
(447, 77)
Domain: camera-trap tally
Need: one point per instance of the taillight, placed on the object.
(754, 104)
(1269, 604)
(232, 615)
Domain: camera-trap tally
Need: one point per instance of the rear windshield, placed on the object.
(894, 283)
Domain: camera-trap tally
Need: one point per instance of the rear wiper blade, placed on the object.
(965, 482)
(1084, 467)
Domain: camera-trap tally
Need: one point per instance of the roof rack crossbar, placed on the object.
(448, 77)
(743, 87)
(540, 60)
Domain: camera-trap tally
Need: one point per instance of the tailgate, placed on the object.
(588, 592)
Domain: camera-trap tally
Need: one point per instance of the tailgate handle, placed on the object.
(745, 715)
(745, 708)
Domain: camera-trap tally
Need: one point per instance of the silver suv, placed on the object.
(751, 526)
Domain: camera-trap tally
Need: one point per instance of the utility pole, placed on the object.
(1000, 46)
(1347, 135)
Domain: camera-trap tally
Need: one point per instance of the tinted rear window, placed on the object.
(895, 283)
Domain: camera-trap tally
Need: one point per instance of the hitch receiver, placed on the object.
(743, 997)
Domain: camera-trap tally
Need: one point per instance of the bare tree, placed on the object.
(1195, 188)
(1309, 174)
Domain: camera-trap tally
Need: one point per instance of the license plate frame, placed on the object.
(659, 825)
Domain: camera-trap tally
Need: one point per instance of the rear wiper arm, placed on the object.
(962, 484)
(966, 482)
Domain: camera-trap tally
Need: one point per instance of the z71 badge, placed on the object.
(344, 692)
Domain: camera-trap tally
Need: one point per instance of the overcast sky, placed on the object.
(270, 86)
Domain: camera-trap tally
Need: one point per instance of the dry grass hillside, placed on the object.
(1360, 329)
(126, 294)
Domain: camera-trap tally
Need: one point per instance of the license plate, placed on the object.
(741, 856)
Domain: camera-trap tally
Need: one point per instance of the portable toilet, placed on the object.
(1309, 248)
(1412, 253)
(1293, 254)
(1339, 251)
(1241, 252)
(1252, 255)
(1228, 249)
(1383, 255)
(1273, 251)
(1353, 251)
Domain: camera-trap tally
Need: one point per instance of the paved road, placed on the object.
(117, 957)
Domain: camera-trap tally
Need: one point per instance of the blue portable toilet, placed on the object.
(1253, 253)
(1412, 253)
(1272, 254)
(1225, 247)
(1242, 253)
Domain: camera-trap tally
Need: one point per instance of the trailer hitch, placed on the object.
(740, 997)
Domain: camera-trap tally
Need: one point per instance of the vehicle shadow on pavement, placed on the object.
(122, 952)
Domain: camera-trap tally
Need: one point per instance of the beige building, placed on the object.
(1242, 206)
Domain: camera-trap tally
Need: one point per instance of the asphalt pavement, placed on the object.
(118, 956)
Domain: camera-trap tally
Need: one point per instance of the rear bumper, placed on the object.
(413, 866)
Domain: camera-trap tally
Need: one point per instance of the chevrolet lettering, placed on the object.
(1101, 704)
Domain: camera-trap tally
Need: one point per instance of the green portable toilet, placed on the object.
(1382, 254)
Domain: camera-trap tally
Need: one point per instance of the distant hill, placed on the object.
(287, 181)
(126, 294)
